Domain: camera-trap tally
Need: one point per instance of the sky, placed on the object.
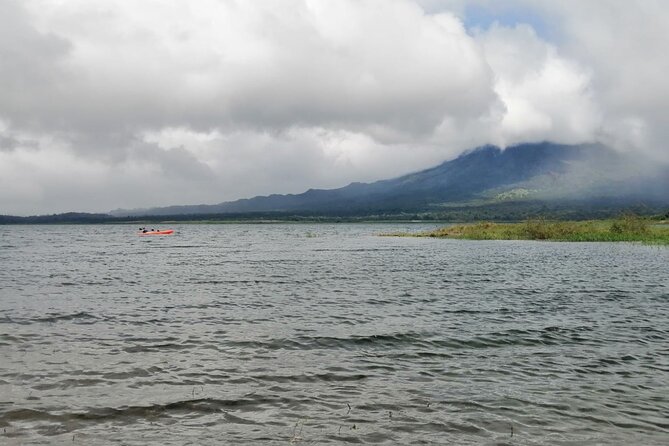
(130, 104)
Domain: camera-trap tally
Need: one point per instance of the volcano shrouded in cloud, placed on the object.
(588, 178)
(125, 104)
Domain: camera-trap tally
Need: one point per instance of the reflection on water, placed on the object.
(328, 334)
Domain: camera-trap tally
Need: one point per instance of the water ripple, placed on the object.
(328, 334)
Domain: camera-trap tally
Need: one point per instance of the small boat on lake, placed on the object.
(156, 232)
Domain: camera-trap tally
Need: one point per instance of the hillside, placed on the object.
(538, 172)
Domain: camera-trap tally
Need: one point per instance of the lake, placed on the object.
(328, 334)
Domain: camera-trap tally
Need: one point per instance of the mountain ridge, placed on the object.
(483, 173)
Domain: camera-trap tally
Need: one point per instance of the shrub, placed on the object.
(537, 228)
(629, 224)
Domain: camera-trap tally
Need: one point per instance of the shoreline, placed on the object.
(624, 229)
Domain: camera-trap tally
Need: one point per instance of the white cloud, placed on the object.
(545, 95)
(625, 45)
(271, 64)
(216, 100)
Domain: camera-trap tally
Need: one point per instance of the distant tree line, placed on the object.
(504, 211)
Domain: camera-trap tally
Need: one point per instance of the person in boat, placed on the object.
(143, 230)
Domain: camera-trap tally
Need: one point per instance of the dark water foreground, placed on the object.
(328, 334)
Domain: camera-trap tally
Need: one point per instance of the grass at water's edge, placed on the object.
(628, 228)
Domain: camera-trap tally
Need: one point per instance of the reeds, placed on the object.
(628, 228)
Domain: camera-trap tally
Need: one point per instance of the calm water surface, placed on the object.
(328, 334)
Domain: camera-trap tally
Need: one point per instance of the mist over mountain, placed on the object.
(544, 172)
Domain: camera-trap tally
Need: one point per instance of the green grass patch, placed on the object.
(627, 228)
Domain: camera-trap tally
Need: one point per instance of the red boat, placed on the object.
(163, 232)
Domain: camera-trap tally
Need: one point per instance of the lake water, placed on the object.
(328, 334)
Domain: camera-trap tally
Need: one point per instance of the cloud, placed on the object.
(224, 99)
(625, 47)
(269, 65)
(30, 67)
(546, 96)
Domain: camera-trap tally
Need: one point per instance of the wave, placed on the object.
(161, 347)
(308, 378)
(80, 317)
(551, 335)
(136, 414)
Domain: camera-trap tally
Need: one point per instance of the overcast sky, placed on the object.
(138, 103)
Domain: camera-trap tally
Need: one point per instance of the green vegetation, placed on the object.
(471, 211)
(627, 228)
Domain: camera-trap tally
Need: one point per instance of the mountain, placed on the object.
(543, 172)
